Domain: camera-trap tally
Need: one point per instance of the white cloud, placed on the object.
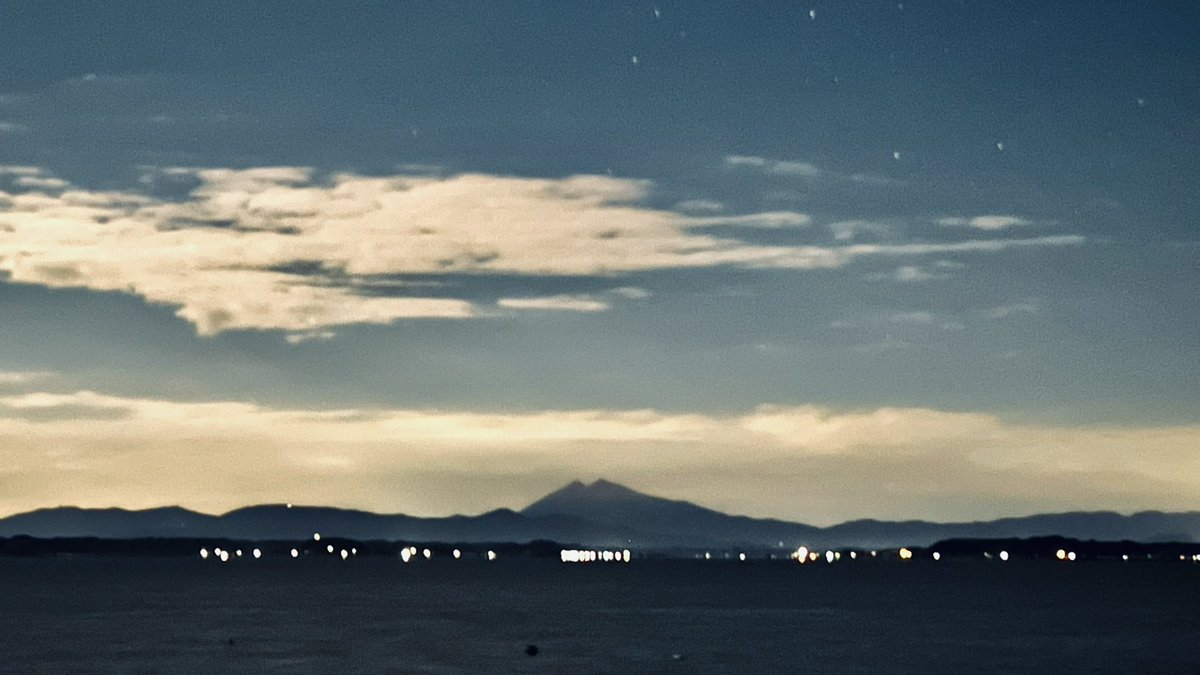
(775, 166)
(565, 303)
(309, 336)
(96, 449)
(227, 257)
(631, 292)
(42, 182)
(1012, 309)
(908, 274)
(699, 205)
(913, 318)
(846, 230)
(17, 377)
(990, 222)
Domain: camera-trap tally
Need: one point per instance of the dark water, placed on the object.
(649, 616)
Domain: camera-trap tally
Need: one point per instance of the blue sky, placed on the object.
(761, 256)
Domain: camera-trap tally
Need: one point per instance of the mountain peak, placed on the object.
(577, 495)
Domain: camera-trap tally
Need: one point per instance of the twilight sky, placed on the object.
(813, 260)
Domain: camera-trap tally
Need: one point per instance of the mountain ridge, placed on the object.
(600, 513)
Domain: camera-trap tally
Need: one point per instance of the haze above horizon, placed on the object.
(813, 262)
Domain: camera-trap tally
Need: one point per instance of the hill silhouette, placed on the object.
(602, 513)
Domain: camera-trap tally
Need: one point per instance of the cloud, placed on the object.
(799, 169)
(41, 182)
(19, 377)
(699, 205)
(564, 303)
(914, 318)
(779, 167)
(908, 274)
(286, 248)
(985, 222)
(19, 170)
(1012, 309)
(846, 230)
(12, 128)
(631, 292)
(96, 449)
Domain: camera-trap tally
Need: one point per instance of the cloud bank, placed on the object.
(804, 462)
(285, 248)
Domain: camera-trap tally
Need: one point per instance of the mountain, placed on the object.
(597, 514)
(664, 522)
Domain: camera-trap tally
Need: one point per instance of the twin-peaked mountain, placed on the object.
(599, 514)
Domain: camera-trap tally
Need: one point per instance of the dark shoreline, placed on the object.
(1033, 548)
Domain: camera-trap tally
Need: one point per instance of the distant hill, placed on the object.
(599, 514)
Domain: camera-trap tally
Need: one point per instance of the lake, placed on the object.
(326, 615)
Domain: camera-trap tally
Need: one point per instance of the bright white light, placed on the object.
(1060, 554)
(707, 555)
(295, 553)
(405, 555)
(1125, 557)
(837, 555)
(828, 556)
(625, 555)
(329, 548)
(457, 554)
(742, 557)
(491, 555)
(1004, 556)
(354, 551)
(239, 553)
(289, 505)
(802, 554)
(204, 554)
(853, 555)
(905, 554)
(316, 536)
(412, 550)
(427, 553)
(1071, 555)
(937, 556)
(814, 556)
(224, 556)
(345, 554)
(256, 553)
(874, 553)
(608, 556)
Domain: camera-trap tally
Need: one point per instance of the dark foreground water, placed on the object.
(648, 616)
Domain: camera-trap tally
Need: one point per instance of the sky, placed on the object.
(807, 260)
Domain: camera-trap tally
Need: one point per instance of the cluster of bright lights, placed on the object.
(568, 555)
(906, 554)
(1063, 554)
(804, 555)
(220, 554)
